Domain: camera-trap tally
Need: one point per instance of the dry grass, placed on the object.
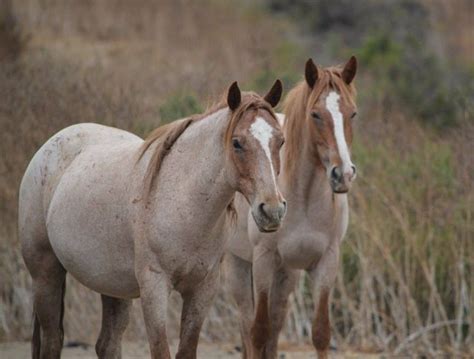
(406, 277)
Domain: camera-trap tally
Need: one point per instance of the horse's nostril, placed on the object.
(282, 210)
(336, 173)
(353, 170)
(261, 207)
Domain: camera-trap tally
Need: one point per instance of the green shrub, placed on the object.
(179, 106)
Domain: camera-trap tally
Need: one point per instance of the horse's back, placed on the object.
(54, 157)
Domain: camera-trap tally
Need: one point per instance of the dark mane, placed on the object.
(297, 104)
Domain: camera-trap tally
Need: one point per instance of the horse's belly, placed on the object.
(117, 282)
(103, 265)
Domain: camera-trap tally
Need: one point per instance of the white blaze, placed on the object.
(332, 104)
(262, 131)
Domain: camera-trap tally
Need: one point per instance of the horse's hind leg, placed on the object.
(238, 278)
(49, 279)
(115, 316)
(49, 276)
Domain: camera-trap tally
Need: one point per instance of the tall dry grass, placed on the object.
(405, 283)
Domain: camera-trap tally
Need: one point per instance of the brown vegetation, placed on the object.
(406, 276)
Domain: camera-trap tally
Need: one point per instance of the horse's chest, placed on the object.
(308, 234)
(302, 249)
(193, 267)
(187, 258)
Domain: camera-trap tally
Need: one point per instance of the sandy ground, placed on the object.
(132, 350)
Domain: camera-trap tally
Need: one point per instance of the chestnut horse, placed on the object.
(130, 218)
(317, 171)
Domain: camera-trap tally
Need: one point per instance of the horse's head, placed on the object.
(253, 141)
(330, 110)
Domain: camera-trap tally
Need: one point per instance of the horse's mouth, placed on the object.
(268, 230)
(340, 188)
(265, 227)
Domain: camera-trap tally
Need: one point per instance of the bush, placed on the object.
(412, 78)
(394, 42)
(179, 106)
(12, 39)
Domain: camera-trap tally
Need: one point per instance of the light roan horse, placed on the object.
(131, 218)
(317, 171)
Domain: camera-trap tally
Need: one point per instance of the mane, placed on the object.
(162, 139)
(296, 106)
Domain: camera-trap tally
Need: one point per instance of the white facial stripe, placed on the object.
(263, 132)
(332, 104)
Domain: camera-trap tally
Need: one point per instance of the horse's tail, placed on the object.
(36, 339)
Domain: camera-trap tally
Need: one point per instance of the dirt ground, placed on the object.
(20, 350)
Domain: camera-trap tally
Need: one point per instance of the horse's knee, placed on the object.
(321, 331)
(261, 328)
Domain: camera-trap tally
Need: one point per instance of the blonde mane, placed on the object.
(299, 102)
(165, 136)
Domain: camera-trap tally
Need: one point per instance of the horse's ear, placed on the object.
(311, 73)
(274, 95)
(233, 96)
(350, 70)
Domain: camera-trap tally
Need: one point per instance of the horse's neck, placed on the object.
(204, 143)
(193, 173)
(307, 186)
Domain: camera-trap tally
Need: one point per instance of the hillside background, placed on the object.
(406, 281)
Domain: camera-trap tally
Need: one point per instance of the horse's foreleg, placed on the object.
(238, 281)
(115, 316)
(196, 305)
(263, 269)
(283, 284)
(323, 277)
(154, 292)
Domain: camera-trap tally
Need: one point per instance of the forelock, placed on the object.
(250, 101)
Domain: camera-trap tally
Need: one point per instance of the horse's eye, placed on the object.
(236, 144)
(315, 115)
(354, 115)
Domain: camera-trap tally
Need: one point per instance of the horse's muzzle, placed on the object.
(268, 216)
(341, 181)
